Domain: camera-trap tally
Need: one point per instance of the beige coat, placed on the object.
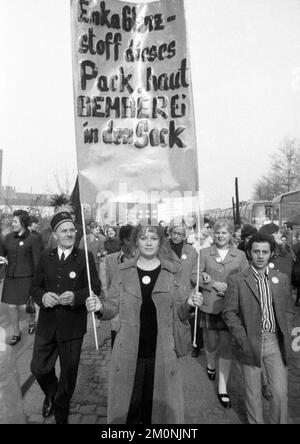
(125, 298)
(218, 270)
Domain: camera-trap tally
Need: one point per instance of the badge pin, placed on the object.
(271, 265)
(21, 243)
(72, 275)
(184, 256)
(218, 260)
(275, 280)
(146, 280)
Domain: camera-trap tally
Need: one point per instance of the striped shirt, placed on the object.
(266, 301)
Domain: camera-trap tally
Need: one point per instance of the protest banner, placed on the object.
(135, 131)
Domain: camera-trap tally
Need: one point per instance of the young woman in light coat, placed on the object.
(216, 264)
(145, 382)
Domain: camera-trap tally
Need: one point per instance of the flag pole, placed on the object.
(198, 268)
(88, 274)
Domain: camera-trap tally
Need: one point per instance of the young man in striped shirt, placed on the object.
(255, 310)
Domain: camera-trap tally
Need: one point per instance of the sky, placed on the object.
(245, 68)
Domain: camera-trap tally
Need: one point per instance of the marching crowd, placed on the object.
(224, 289)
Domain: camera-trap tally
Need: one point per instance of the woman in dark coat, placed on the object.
(145, 382)
(112, 244)
(21, 252)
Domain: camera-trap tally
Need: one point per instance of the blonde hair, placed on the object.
(224, 223)
(140, 230)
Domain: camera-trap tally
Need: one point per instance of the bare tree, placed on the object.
(284, 173)
(36, 204)
(65, 178)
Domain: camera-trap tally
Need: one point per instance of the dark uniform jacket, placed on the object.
(69, 322)
(23, 253)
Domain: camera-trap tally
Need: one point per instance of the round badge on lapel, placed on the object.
(218, 260)
(146, 280)
(275, 280)
(271, 265)
(72, 274)
(21, 243)
(184, 256)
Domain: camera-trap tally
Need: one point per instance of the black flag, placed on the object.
(75, 201)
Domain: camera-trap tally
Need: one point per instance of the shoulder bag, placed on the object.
(30, 307)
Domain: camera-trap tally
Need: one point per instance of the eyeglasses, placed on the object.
(176, 233)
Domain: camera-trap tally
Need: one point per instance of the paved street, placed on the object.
(90, 399)
(89, 402)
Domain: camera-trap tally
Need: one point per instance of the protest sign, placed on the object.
(134, 120)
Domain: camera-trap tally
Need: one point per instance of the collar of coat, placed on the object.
(165, 264)
(275, 281)
(22, 236)
(232, 252)
(162, 285)
(171, 255)
(74, 252)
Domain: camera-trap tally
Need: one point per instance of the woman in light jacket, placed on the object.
(145, 383)
(216, 264)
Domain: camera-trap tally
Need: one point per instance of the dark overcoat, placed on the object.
(125, 298)
(51, 276)
(242, 314)
(23, 253)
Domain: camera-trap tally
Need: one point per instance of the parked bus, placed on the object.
(286, 208)
(255, 213)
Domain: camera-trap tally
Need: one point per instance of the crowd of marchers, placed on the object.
(232, 286)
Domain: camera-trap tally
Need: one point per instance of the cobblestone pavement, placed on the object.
(89, 402)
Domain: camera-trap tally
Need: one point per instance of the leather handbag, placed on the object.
(182, 334)
(30, 307)
(212, 302)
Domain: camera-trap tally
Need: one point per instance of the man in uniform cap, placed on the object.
(60, 288)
